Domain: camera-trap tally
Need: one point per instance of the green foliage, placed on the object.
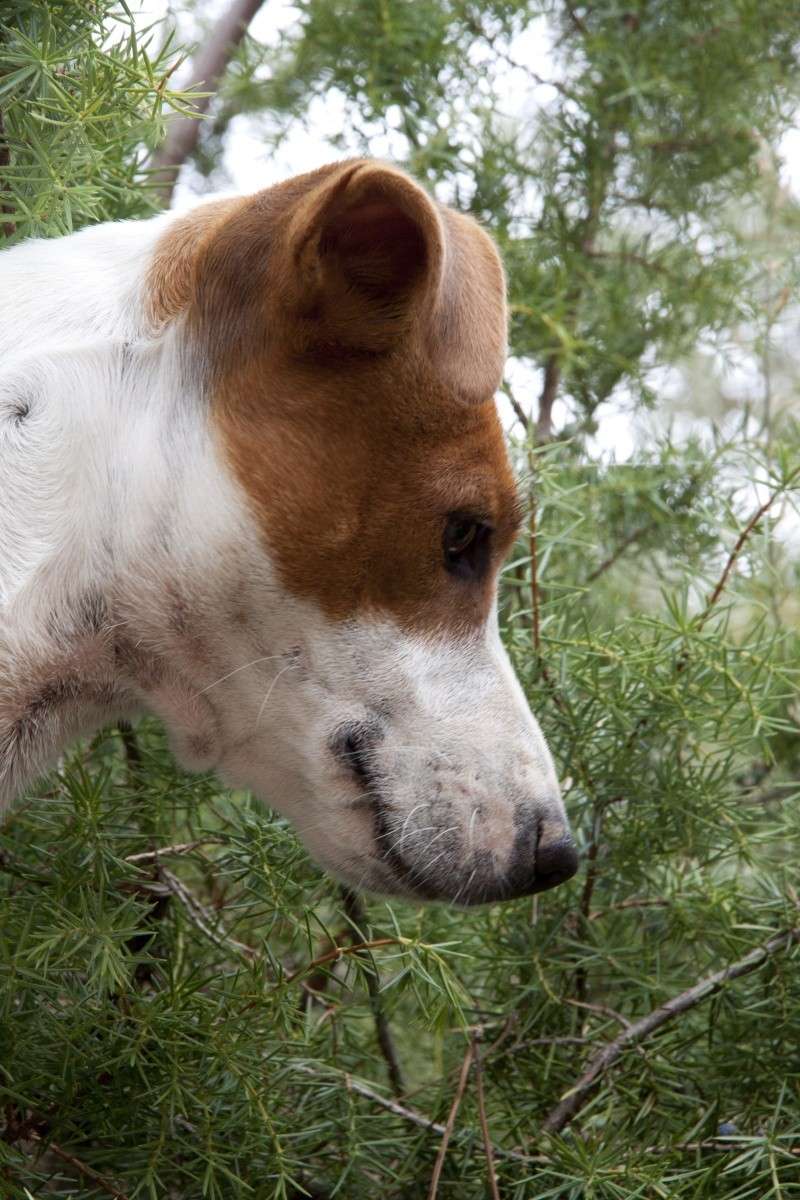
(81, 92)
(212, 1020)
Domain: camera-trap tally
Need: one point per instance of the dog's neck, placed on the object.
(105, 471)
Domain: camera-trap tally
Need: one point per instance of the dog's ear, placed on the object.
(373, 264)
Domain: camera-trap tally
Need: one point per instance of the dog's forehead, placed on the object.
(352, 333)
(351, 474)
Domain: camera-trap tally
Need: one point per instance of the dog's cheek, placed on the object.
(194, 732)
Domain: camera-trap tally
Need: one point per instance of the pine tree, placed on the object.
(187, 1006)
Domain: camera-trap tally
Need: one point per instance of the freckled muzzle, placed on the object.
(447, 859)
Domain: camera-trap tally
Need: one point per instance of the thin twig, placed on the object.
(85, 1170)
(408, 1114)
(578, 1094)
(577, 21)
(549, 1041)
(202, 919)
(634, 902)
(340, 951)
(602, 1009)
(487, 1141)
(587, 891)
(521, 415)
(533, 546)
(8, 228)
(177, 848)
(757, 516)
(451, 1120)
(629, 256)
(355, 912)
(362, 1089)
(626, 542)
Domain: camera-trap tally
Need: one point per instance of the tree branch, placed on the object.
(8, 227)
(552, 377)
(625, 544)
(487, 1140)
(341, 951)
(176, 848)
(740, 541)
(577, 1096)
(355, 912)
(409, 1114)
(208, 68)
(519, 411)
(451, 1120)
(203, 920)
(84, 1169)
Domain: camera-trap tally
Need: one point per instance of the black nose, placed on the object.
(556, 862)
(537, 864)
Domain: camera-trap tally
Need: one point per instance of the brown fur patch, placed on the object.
(171, 277)
(357, 334)
(353, 476)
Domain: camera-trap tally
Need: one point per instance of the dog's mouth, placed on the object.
(354, 747)
(448, 869)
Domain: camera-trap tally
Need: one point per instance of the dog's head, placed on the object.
(352, 335)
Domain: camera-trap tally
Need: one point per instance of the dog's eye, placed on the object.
(466, 546)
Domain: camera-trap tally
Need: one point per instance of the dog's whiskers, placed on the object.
(282, 671)
(236, 670)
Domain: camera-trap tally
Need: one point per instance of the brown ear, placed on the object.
(353, 257)
(377, 264)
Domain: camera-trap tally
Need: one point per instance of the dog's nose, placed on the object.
(538, 863)
(556, 862)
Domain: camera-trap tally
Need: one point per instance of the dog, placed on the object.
(253, 481)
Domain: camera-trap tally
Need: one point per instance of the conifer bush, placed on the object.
(188, 1007)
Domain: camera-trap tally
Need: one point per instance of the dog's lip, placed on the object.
(388, 853)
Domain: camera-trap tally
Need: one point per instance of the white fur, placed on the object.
(113, 496)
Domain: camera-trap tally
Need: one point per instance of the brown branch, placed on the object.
(355, 912)
(587, 891)
(176, 848)
(407, 1113)
(624, 545)
(602, 1010)
(548, 1041)
(578, 22)
(578, 1094)
(757, 516)
(629, 256)
(208, 68)
(202, 919)
(487, 1141)
(8, 227)
(84, 1168)
(451, 1120)
(633, 902)
(552, 378)
(533, 547)
(340, 951)
(519, 411)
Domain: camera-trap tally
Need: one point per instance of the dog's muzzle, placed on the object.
(540, 856)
